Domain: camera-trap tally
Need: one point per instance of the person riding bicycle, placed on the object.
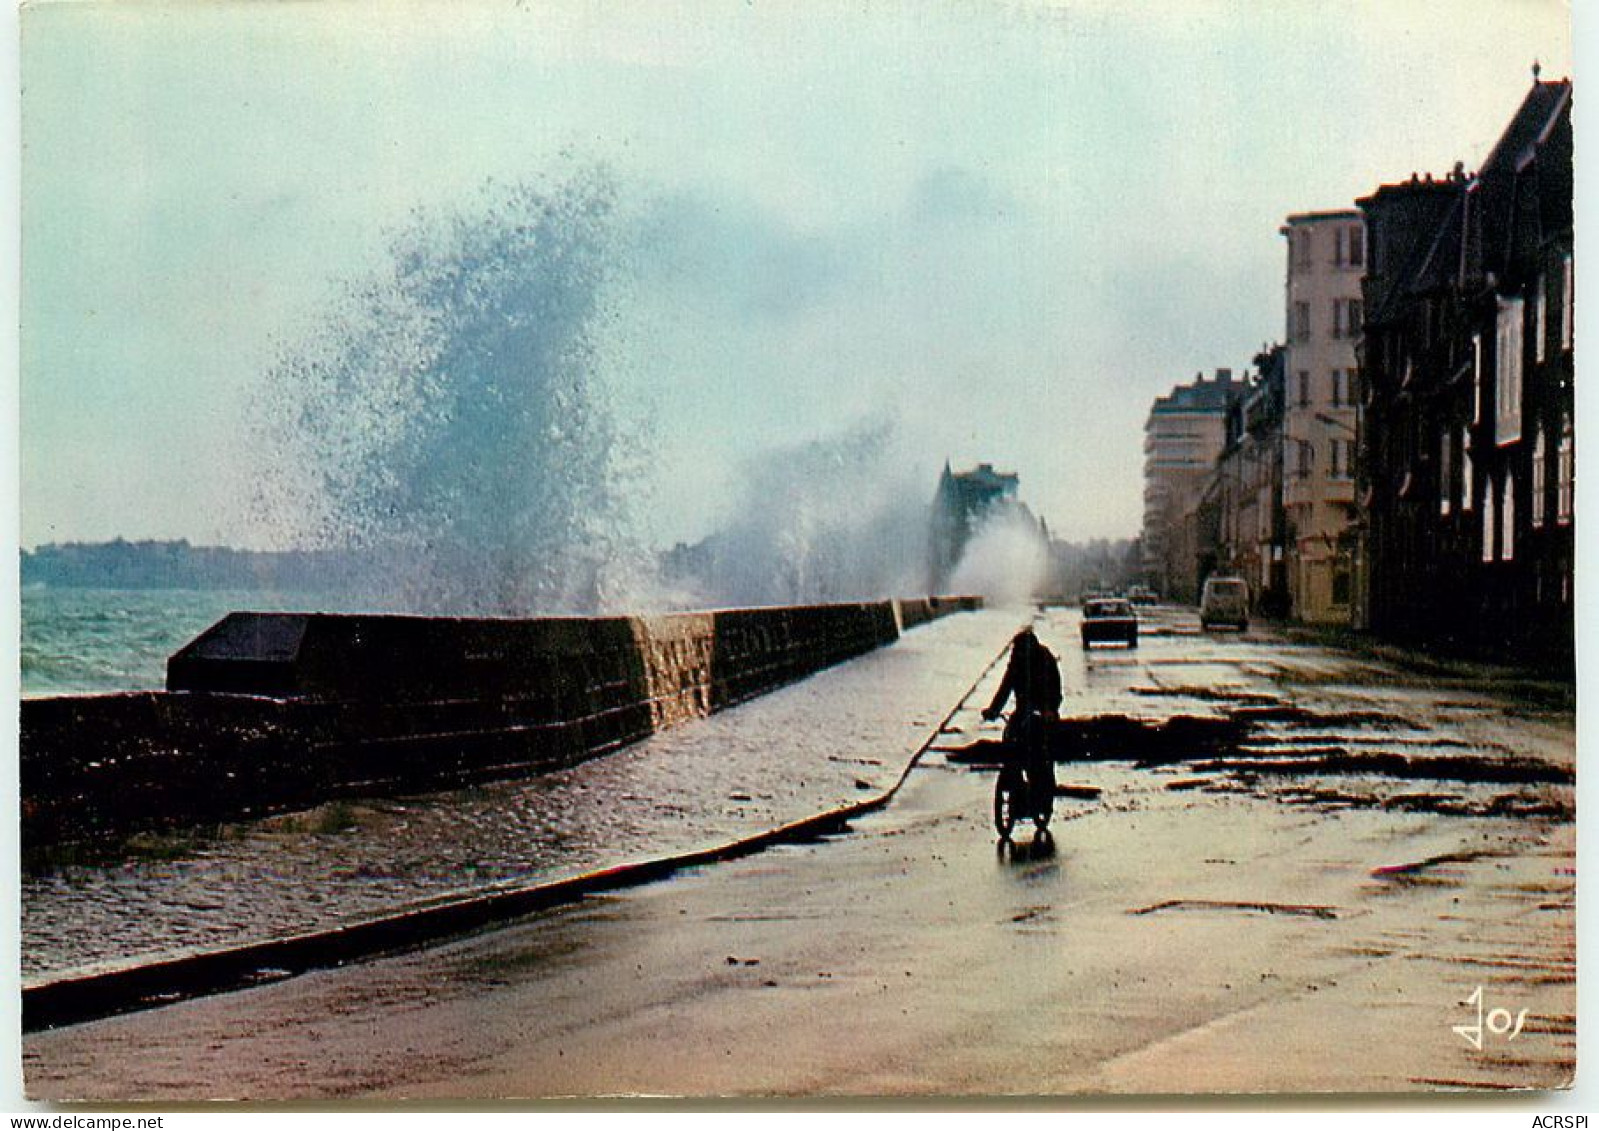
(1033, 676)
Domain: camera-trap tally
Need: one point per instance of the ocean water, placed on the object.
(96, 640)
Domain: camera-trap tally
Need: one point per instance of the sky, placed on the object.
(978, 231)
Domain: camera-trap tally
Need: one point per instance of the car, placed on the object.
(1109, 619)
(1142, 595)
(1224, 601)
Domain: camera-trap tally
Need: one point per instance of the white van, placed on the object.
(1225, 600)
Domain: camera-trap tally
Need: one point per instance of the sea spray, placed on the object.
(1006, 561)
(453, 425)
(837, 518)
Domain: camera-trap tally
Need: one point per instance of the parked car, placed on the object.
(1225, 601)
(1108, 620)
(1142, 595)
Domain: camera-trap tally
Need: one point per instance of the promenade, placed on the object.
(1324, 908)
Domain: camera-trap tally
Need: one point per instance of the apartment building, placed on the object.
(1184, 434)
(1470, 447)
(1251, 524)
(1321, 415)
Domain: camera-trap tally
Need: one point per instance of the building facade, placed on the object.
(962, 502)
(1469, 427)
(1183, 436)
(1251, 523)
(1321, 417)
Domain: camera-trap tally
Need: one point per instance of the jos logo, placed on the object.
(1497, 1022)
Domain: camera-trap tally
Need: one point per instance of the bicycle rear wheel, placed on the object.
(1007, 795)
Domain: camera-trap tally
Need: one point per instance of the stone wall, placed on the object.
(273, 711)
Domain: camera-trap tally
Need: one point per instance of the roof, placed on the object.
(1199, 396)
(985, 477)
(1319, 217)
(1477, 229)
(1420, 211)
(1502, 194)
(981, 484)
(1533, 122)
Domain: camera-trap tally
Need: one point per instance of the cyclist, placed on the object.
(1033, 676)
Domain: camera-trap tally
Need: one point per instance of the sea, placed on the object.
(98, 640)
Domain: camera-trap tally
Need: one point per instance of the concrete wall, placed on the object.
(272, 711)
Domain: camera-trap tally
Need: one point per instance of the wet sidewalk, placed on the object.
(839, 737)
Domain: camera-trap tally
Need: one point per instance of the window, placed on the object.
(1566, 471)
(1540, 319)
(1467, 472)
(1488, 530)
(1307, 460)
(1507, 372)
(1507, 509)
(1348, 246)
(1346, 318)
(1304, 388)
(1301, 239)
(1299, 328)
(1567, 300)
(1446, 488)
(1342, 462)
(1476, 378)
(1540, 477)
(1345, 385)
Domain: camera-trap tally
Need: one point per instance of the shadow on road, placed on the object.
(1041, 847)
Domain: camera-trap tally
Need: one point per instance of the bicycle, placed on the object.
(1019, 795)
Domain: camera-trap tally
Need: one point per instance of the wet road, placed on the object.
(1289, 916)
(822, 743)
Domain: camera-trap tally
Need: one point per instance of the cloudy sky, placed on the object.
(979, 230)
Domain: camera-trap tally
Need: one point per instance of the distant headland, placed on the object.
(120, 564)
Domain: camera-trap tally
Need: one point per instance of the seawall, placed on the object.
(272, 711)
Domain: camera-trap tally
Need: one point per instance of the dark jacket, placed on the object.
(1033, 676)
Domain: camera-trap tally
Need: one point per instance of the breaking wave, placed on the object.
(452, 423)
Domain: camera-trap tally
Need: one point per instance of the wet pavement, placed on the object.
(828, 741)
(1282, 916)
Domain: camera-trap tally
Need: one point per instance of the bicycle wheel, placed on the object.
(1006, 795)
(1040, 778)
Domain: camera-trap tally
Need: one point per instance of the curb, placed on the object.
(92, 997)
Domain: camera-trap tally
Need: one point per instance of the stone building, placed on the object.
(961, 503)
(1469, 430)
(1251, 523)
(1326, 262)
(1183, 436)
